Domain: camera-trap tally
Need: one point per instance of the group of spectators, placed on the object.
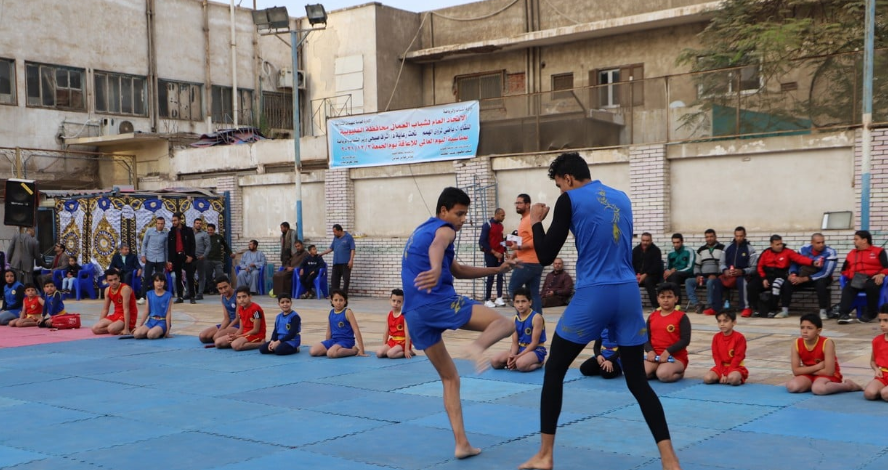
(765, 281)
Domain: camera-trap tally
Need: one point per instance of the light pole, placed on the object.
(276, 20)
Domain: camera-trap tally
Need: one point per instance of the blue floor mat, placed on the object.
(574, 400)
(10, 457)
(201, 412)
(385, 407)
(471, 389)
(303, 395)
(846, 403)
(511, 422)
(826, 425)
(55, 463)
(878, 463)
(62, 388)
(36, 415)
(383, 380)
(123, 404)
(699, 413)
(87, 435)
(295, 428)
(749, 394)
(626, 437)
(298, 459)
(511, 454)
(17, 377)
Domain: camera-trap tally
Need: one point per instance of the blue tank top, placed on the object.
(282, 328)
(601, 223)
(158, 305)
(608, 347)
(9, 292)
(340, 328)
(230, 306)
(525, 330)
(416, 260)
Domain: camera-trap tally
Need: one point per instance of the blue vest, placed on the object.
(9, 294)
(230, 306)
(601, 223)
(415, 260)
(340, 328)
(282, 328)
(525, 330)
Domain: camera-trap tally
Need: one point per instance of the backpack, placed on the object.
(485, 233)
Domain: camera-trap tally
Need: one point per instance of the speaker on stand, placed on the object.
(21, 203)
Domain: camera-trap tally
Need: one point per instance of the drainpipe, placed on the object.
(234, 97)
(153, 101)
(205, 109)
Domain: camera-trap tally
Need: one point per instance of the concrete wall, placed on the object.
(394, 31)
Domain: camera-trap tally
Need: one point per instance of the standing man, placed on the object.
(820, 278)
(491, 242)
(154, 255)
(250, 264)
(288, 239)
(218, 253)
(648, 263)
(59, 261)
(531, 273)
(201, 249)
(22, 253)
(607, 297)
(343, 248)
(181, 256)
(558, 286)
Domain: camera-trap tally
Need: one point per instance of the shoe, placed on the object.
(179, 301)
(141, 301)
(499, 302)
(746, 313)
(693, 308)
(823, 315)
(844, 319)
(758, 315)
(709, 312)
(865, 319)
(698, 308)
(199, 297)
(192, 301)
(489, 304)
(781, 314)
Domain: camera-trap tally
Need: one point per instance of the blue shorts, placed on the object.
(616, 307)
(540, 352)
(152, 322)
(426, 323)
(345, 343)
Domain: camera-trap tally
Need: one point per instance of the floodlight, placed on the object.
(316, 14)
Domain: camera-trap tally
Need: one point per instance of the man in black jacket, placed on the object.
(128, 265)
(648, 263)
(180, 243)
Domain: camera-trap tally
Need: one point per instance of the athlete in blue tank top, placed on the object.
(607, 296)
(286, 336)
(230, 319)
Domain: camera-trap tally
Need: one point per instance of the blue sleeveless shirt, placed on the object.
(415, 260)
(525, 330)
(340, 328)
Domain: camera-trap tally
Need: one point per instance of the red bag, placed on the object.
(66, 321)
(729, 282)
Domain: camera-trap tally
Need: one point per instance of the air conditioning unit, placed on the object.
(125, 127)
(108, 127)
(285, 78)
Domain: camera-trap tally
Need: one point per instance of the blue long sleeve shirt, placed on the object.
(830, 260)
(256, 258)
(154, 245)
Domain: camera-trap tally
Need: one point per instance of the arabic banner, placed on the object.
(447, 132)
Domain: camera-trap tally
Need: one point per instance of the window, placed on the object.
(560, 82)
(179, 100)
(718, 83)
(53, 86)
(120, 94)
(277, 110)
(222, 112)
(7, 81)
(614, 91)
(485, 87)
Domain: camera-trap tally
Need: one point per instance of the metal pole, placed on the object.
(866, 137)
(294, 49)
(234, 97)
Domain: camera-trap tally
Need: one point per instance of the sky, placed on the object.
(296, 7)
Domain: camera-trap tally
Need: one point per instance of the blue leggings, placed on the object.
(283, 349)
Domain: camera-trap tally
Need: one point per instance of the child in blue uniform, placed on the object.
(343, 335)
(158, 318)
(52, 304)
(606, 361)
(230, 320)
(528, 349)
(286, 337)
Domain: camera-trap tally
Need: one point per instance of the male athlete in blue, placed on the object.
(600, 218)
(431, 304)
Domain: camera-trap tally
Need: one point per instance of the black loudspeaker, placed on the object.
(21, 203)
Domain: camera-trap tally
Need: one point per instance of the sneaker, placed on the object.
(823, 315)
(179, 301)
(199, 297)
(865, 319)
(489, 304)
(746, 313)
(844, 319)
(781, 314)
(758, 315)
(772, 314)
(696, 308)
(141, 301)
(709, 311)
(192, 300)
(499, 302)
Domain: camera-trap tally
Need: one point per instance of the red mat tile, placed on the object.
(15, 337)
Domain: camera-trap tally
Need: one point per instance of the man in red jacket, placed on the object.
(772, 273)
(870, 265)
(490, 242)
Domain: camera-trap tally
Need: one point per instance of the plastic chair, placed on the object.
(260, 281)
(860, 301)
(320, 285)
(86, 282)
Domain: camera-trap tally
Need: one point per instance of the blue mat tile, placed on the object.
(295, 428)
(39, 359)
(32, 415)
(512, 454)
(300, 459)
(749, 394)
(154, 375)
(655, 464)
(202, 412)
(704, 414)
(423, 446)
(825, 425)
(9, 402)
(94, 367)
(385, 407)
(231, 384)
(68, 387)
(383, 380)
(421, 364)
(56, 463)
(472, 389)
(575, 400)
(507, 421)
(846, 403)
(19, 377)
(304, 395)
(745, 450)
(619, 385)
(122, 404)
(879, 463)
(87, 435)
(10, 457)
(625, 437)
(182, 451)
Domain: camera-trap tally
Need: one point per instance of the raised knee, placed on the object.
(870, 395)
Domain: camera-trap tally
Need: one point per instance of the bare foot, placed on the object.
(466, 452)
(476, 353)
(855, 387)
(537, 462)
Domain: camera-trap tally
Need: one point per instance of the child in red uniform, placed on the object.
(32, 308)
(728, 352)
(669, 333)
(878, 387)
(814, 362)
(251, 332)
(396, 339)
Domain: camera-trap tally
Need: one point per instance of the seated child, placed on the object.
(286, 337)
(230, 320)
(158, 315)
(309, 270)
(343, 335)
(396, 339)
(52, 304)
(606, 361)
(669, 333)
(728, 352)
(251, 332)
(70, 275)
(528, 349)
(878, 387)
(32, 308)
(123, 320)
(814, 363)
